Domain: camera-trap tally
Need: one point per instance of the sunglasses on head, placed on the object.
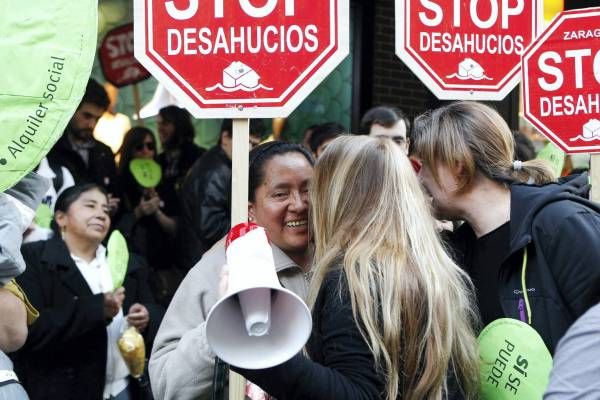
(147, 145)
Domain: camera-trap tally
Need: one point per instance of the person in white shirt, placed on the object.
(71, 351)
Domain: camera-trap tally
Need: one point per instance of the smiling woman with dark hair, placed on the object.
(71, 349)
(182, 363)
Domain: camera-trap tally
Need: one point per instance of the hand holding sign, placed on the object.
(118, 258)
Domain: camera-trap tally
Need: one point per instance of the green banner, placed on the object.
(515, 363)
(47, 50)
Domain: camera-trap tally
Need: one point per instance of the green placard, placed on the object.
(146, 172)
(555, 156)
(43, 216)
(118, 258)
(515, 363)
(46, 51)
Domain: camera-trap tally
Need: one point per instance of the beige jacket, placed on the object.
(181, 364)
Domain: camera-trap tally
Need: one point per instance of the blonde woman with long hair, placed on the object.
(392, 314)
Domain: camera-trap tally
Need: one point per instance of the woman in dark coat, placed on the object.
(146, 220)
(529, 244)
(176, 134)
(71, 351)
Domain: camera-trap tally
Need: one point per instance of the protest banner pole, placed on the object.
(239, 171)
(137, 103)
(595, 175)
(239, 212)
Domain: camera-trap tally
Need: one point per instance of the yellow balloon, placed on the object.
(551, 8)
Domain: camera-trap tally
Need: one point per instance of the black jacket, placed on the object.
(144, 236)
(561, 230)
(100, 169)
(174, 172)
(341, 366)
(64, 356)
(205, 206)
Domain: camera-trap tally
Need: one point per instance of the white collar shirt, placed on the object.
(97, 275)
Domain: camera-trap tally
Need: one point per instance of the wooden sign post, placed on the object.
(239, 212)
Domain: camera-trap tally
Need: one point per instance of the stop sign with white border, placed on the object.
(117, 60)
(466, 49)
(238, 60)
(561, 81)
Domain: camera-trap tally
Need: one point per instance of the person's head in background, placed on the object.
(370, 216)
(279, 177)
(524, 148)
(464, 147)
(94, 103)
(307, 134)
(388, 122)
(257, 130)
(324, 133)
(81, 216)
(139, 142)
(174, 127)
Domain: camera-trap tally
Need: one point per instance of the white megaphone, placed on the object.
(257, 324)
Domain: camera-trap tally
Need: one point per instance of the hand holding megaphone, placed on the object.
(257, 323)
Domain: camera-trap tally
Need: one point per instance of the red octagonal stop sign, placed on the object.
(466, 49)
(241, 58)
(116, 57)
(561, 81)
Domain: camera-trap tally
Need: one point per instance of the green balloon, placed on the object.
(146, 172)
(43, 216)
(46, 51)
(118, 257)
(515, 363)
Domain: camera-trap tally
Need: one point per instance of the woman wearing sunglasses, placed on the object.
(147, 220)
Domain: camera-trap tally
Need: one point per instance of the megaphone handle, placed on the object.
(236, 382)
(237, 386)
(220, 379)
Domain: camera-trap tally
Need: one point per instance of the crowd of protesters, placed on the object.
(406, 240)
